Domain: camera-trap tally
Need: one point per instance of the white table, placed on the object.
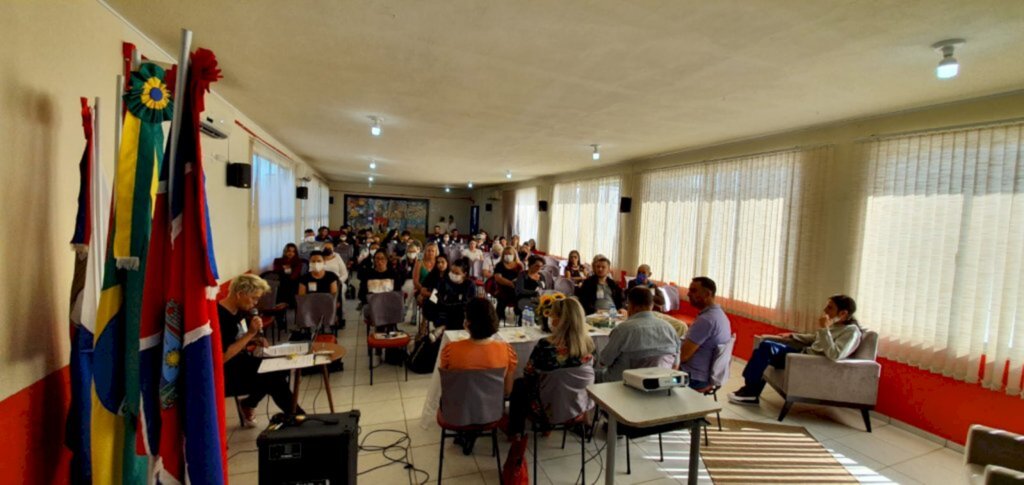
(522, 340)
(644, 410)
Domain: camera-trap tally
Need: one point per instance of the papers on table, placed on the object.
(284, 350)
(287, 363)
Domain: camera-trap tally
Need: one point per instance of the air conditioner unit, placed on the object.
(214, 126)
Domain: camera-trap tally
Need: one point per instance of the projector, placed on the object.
(649, 379)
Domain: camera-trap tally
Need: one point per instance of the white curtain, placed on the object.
(738, 221)
(585, 217)
(274, 193)
(941, 259)
(526, 214)
(315, 208)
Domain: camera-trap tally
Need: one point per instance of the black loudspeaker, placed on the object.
(625, 204)
(330, 200)
(542, 205)
(301, 192)
(320, 449)
(487, 207)
(240, 175)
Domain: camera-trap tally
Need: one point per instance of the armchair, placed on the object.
(993, 456)
(814, 379)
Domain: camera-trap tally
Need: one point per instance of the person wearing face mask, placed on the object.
(446, 305)
(529, 284)
(334, 263)
(838, 336)
(379, 278)
(308, 244)
(505, 275)
(643, 278)
(319, 279)
(240, 334)
(600, 292)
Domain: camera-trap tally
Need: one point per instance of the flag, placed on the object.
(116, 394)
(89, 243)
(182, 378)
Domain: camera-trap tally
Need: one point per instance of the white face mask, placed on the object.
(456, 278)
(316, 267)
(412, 255)
(309, 238)
(509, 258)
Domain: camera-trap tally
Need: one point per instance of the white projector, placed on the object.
(651, 379)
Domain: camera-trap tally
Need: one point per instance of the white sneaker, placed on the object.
(736, 398)
(249, 418)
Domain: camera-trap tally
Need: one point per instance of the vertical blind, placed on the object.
(941, 258)
(585, 217)
(526, 214)
(275, 208)
(737, 221)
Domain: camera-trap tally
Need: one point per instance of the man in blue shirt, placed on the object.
(708, 331)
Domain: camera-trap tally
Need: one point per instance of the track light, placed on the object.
(470, 184)
(508, 174)
(375, 129)
(948, 67)
(597, 152)
(373, 165)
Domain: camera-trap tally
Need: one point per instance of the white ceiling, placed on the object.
(470, 88)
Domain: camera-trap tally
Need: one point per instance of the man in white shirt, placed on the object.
(451, 224)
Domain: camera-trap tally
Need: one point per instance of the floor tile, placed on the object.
(935, 467)
(380, 412)
(888, 445)
(455, 463)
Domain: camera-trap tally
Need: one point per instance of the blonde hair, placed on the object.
(571, 331)
(248, 284)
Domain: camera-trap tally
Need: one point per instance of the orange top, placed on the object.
(478, 355)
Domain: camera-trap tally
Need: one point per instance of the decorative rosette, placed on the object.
(149, 98)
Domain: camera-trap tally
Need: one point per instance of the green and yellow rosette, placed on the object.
(149, 98)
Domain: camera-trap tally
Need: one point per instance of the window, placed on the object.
(941, 257)
(315, 209)
(526, 214)
(274, 194)
(736, 221)
(585, 217)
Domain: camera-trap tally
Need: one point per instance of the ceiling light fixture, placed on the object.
(948, 67)
(373, 165)
(508, 174)
(470, 184)
(447, 189)
(370, 179)
(597, 152)
(375, 129)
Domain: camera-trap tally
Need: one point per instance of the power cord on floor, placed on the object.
(403, 444)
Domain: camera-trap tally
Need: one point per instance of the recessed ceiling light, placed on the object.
(470, 184)
(370, 178)
(375, 128)
(508, 174)
(447, 189)
(948, 67)
(373, 165)
(597, 152)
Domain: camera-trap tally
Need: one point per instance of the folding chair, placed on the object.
(564, 286)
(314, 311)
(471, 401)
(720, 365)
(563, 393)
(268, 306)
(384, 311)
(671, 297)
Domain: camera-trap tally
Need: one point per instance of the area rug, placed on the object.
(756, 452)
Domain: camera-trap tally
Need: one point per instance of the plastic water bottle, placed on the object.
(528, 316)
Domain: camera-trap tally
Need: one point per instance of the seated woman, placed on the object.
(575, 270)
(380, 278)
(289, 269)
(600, 292)
(424, 266)
(439, 273)
(319, 280)
(446, 306)
(480, 351)
(837, 337)
(529, 284)
(473, 253)
(568, 346)
(524, 253)
(505, 274)
(240, 336)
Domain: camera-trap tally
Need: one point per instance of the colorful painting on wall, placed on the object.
(385, 213)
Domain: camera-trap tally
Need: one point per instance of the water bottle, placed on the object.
(528, 316)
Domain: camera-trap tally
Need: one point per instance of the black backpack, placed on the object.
(424, 355)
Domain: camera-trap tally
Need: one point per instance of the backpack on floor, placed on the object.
(424, 355)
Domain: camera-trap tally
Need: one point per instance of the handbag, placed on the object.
(515, 472)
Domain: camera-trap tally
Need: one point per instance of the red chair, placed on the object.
(384, 311)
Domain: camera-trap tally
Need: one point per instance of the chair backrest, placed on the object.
(270, 276)
(477, 270)
(563, 392)
(313, 310)
(472, 397)
(671, 297)
(720, 362)
(553, 269)
(868, 348)
(269, 298)
(385, 308)
(454, 252)
(549, 280)
(564, 285)
(643, 359)
(551, 261)
(345, 251)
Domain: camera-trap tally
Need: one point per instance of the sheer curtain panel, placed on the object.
(585, 217)
(748, 223)
(525, 214)
(274, 193)
(941, 259)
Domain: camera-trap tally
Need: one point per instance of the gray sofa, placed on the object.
(993, 456)
(814, 379)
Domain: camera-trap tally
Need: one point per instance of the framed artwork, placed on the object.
(383, 213)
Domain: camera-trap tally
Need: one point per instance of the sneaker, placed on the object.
(249, 418)
(743, 397)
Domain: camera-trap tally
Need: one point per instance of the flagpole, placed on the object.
(179, 88)
(119, 108)
(96, 146)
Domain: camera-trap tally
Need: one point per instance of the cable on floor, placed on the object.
(403, 444)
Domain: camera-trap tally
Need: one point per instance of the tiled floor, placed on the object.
(890, 454)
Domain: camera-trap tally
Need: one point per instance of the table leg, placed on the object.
(609, 459)
(691, 478)
(297, 378)
(327, 387)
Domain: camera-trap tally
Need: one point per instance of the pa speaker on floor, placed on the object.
(317, 449)
(625, 204)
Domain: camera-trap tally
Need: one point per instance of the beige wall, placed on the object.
(456, 203)
(845, 173)
(52, 53)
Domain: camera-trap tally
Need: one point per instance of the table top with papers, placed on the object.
(299, 355)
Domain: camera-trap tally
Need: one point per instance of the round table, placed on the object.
(326, 352)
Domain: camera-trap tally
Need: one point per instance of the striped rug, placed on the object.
(755, 452)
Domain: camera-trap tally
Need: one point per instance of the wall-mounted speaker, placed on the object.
(487, 207)
(302, 193)
(239, 175)
(542, 205)
(625, 205)
(330, 200)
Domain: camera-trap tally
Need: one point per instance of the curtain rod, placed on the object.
(946, 129)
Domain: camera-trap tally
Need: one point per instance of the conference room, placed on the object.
(479, 242)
